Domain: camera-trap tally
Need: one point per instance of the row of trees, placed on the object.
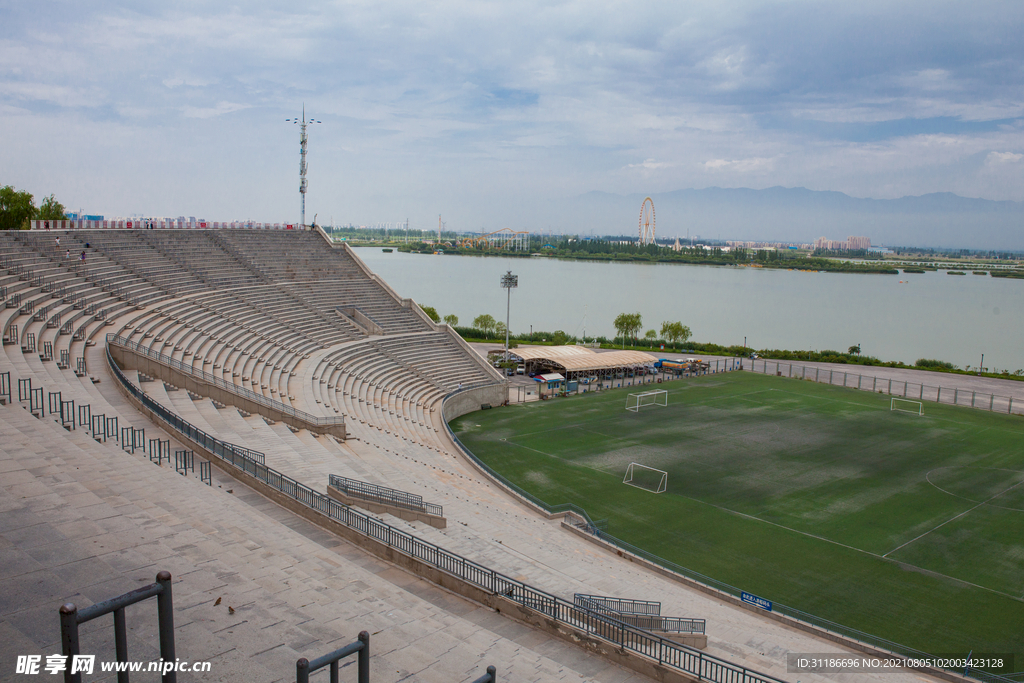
(629, 324)
(450, 319)
(17, 208)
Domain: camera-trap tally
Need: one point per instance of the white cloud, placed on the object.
(465, 104)
(209, 112)
(752, 165)
(652, 165)
(1000, 158)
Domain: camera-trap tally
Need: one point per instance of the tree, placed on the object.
(16, 208)
(675, 332)
(485, 323)
(650, 336)
(499, 329)
(855, 350)
(50, 210)
(627, 324)
(431, 313)
(452, 319)
(559, 338)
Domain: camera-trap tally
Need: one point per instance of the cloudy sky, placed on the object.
(490, 112)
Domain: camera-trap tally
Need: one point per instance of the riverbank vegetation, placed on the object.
(675, 337)
(624, 248)
(616, 252)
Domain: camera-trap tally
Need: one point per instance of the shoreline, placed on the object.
(807, 263)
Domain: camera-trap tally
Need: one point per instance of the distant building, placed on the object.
(849, 244)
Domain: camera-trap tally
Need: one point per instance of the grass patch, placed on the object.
(817, 497)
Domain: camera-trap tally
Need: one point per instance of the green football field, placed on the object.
(820, 498)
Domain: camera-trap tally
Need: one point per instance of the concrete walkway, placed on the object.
(83, 522)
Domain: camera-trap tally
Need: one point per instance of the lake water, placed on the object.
(930, 315)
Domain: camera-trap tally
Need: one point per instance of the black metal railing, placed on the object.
(646, 621)
(490, 677)
(620, 605)
(230, 387)
(71, 617)
(383, 495)
(582, 521)
(628, 637)
(361, 647)
(897, 388)
(216, 446)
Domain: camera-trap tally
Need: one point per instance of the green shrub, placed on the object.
(930, 363)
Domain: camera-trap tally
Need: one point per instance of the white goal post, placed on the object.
(646, 478)
(902, 405)
(655, 397)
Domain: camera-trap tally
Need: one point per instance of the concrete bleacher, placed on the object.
(259, 309)
(83, 522)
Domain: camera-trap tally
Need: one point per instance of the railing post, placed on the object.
(69, 639)
(120, 643)
(165, 617)
(302, 670)
(364, 658)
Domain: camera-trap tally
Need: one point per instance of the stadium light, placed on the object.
(508, 282)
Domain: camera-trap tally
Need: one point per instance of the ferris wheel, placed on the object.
(646, 222)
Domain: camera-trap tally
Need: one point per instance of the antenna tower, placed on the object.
(303, 139)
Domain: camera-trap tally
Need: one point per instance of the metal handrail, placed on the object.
(210, 443)
(628, 637)
(219, 382)
(621, 605)
(652, 622)
(304, 667)
(925, 392)
(490, 677)
(381, 494)
(71, 617)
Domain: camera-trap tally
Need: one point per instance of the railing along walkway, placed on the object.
(651, 622)
(899, 388)
(665, 652)
(230, 387)
(381, 494)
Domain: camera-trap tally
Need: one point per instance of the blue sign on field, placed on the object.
(756, 601)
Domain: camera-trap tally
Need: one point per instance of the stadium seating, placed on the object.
(260, 310)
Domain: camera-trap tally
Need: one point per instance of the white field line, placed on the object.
(855, 549)
(601, 420)
(953, 519)
(754, 518)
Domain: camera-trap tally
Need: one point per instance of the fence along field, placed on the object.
(909, 527)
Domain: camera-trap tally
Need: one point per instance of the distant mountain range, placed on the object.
(784, 214)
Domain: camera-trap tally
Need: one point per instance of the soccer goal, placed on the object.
(655, 397)
(902, 405)
(646, 478)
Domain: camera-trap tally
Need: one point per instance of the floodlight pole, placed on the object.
(508, 282)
